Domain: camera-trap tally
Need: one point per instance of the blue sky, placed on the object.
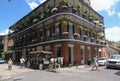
(14, 10)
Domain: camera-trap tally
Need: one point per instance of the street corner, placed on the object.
(5, 78)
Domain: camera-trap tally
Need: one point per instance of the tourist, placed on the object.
(10, 62)
(22, 62)
(95, 64)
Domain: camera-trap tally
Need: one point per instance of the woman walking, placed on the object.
(10, 62)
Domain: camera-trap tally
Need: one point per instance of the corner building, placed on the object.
(68, 28)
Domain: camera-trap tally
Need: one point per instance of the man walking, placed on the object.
(22, 61)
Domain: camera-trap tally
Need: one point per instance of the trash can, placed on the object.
(89, 62)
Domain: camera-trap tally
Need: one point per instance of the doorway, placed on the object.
(71, 59)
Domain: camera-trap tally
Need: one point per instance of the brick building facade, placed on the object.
(68, 28)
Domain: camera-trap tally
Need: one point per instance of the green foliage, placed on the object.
(78, 5)
(64, 23)
(93, 32)
(79, 27)
(88, 30)
(48, 6)
(5, 52)
(85, 10)
(63, 1)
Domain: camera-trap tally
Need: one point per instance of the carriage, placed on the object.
(43, 60)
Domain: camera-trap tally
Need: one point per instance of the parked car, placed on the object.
(102, 61)
(113, 62)
(2, 61)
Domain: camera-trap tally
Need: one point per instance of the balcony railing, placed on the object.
(66, 10)
(66, 35)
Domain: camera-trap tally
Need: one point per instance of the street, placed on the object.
(69, 74)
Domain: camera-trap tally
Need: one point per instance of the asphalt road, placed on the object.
(69, 74)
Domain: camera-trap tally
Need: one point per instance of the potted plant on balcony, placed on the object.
(48, 7)
(76, 34)
(88, 30)
(93, 32)
(101, 23)
(79, 27)
(39, 15)
(85, 11)
(96, 20)
(54, 9)
(64, 23)
(63, 3)
(78, 5)
(91, 16)
(64, 33)
(103, 37)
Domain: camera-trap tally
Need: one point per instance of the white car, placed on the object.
(102, 61)
(113, 62)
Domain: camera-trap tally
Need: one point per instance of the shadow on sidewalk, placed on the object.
(118, 73)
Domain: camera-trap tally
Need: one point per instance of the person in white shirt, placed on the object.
(22, 62)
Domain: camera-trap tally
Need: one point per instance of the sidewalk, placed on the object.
(6, 74)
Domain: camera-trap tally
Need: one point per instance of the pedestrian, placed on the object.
(10, 62)
(95, 64)
(22, 62)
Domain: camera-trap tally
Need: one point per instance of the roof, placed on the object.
(114, 47)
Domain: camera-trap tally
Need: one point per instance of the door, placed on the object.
(71, 55)
(82, 56)
(70, 29)
(89, 54)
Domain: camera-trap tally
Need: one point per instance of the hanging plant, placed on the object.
(96, 18)
(38, 13)
(63, 2)
(64, 23)
(93, 32)
(48, 27)
(86, 11)
(98, 35)
(78, 5)
(91, 16)
(5, 53)
(88, 30)
(48, 7)
(103, 37)
(79, 27)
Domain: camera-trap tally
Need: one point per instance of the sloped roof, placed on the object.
(114, 47)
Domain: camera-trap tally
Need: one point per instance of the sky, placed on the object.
(13, 10)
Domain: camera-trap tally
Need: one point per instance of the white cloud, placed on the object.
(113, 33)
(34, 3)
(5, 32)
(104, 5)
(41, 1)
(110, 12)
(118, 14)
